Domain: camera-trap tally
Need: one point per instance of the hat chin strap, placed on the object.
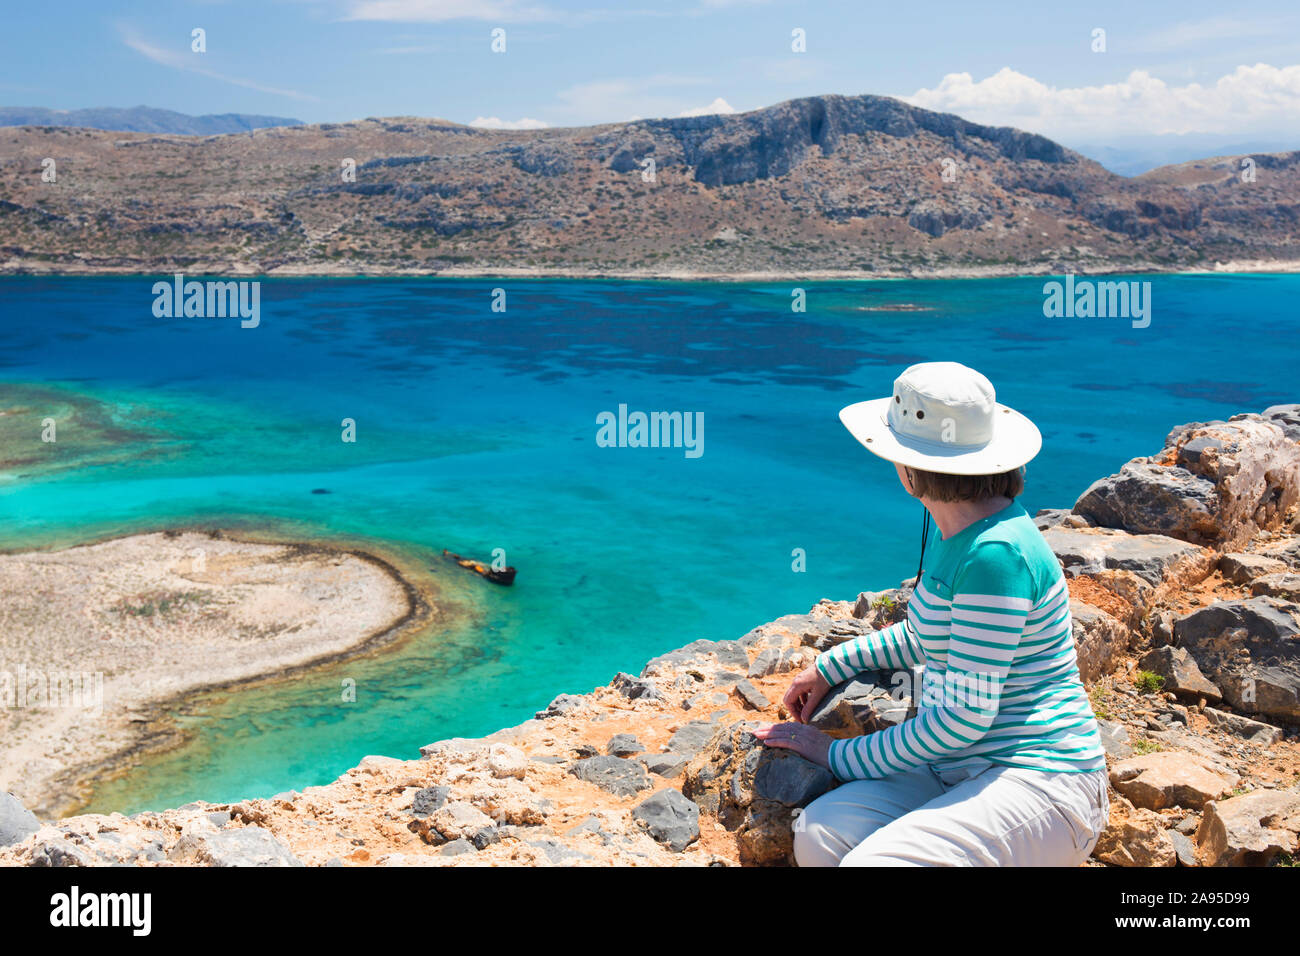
(925, 534)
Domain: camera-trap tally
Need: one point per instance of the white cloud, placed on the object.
(1251, 99)
(495, 122)
(717, 106)
(189, 62)
(619, 100)
(438, 11)
(1216, 30)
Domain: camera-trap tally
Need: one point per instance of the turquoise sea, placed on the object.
(477, 430)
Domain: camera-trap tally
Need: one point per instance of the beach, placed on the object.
(97, 642)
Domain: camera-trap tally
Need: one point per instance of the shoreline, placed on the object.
(1231, 267)
(139, 721)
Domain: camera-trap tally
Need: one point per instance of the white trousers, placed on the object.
(989, 816)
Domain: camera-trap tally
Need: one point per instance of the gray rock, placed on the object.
(556, 851)
(670, 818)
(239, 846)
(1253, 730)
(428, 800)
(1145, 498)
(1251, 649)
(616, 775)
(691, 738)
(1182, 677)
(665, 764)
(704, 698)
(1047, 518)
(752, 696)
(1149, 556)
(624, 745)
(1286, 417)
(592, 824)
(1184, 847)
(561, 705)
(635, 688)
(705, 655)
(586, 750)
(58, 851)
(1114, 739)
(867, 702)
(17, 823)
(219, 818)
(791, 782)
(1285, 585)
(1217, 483)
(457, 847)
(1242, 568)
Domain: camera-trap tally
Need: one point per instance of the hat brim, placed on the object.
(1016, 440)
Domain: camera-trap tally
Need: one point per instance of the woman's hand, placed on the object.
(808, 742)
(805, 693)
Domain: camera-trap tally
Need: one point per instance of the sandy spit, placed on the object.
(98, 642)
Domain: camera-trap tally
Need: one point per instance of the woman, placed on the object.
(1003, 763)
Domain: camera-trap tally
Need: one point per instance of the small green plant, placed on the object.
(1284, 859)
(1148, 682)
(1144, 746)
(884, 601)
(1099, 695)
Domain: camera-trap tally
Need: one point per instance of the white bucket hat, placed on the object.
(943, 417)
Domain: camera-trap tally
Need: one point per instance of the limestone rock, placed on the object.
(1249, 830)
(1099, 640)
(1170, 778)
(460, 820)
(670, 818)
(1214, 483)
(1135, 837)
(203, 844)
(507, 761)
(17, 823)
(754, 789)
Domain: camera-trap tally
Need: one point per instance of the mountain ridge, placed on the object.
(831, 184)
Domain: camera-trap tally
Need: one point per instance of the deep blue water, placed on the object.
(476, 430)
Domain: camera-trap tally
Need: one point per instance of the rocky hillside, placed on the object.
(828, 184)
(1184, 571)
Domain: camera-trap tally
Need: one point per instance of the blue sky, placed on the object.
(1168, 67)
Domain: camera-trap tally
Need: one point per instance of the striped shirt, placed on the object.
(990, 622)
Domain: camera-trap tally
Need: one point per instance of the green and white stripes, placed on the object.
(990, 622)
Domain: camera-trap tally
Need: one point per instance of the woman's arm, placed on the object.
(992, 596)
(892, 647)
